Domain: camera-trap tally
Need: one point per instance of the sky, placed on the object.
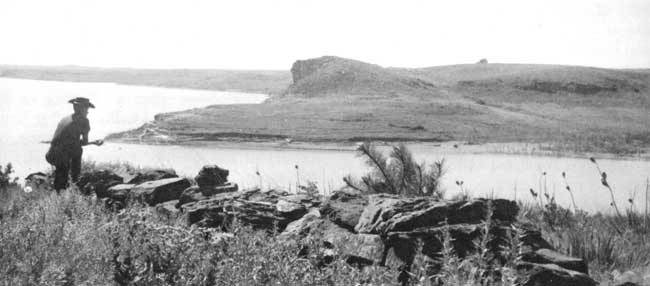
(265, 34)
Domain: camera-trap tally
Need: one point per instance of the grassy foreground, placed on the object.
(70, 239)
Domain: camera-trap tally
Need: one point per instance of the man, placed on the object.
(65, 149)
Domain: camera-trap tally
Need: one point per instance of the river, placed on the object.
(31, 109)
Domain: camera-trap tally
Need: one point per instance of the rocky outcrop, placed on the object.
(344, 208)
(378, 229)
(262, 210)
(98, 182)
(159, 191)
(196, 193)
(336, 76)
(152, 175)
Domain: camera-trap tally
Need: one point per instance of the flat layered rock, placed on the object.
(197, 193)
(160, 191)
(344, 208)
(388, 213)
(98, 182)
(119, 192)
(535, 274)
(152, 175)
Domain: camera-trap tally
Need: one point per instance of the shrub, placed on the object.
(5, 177)
(398, 174)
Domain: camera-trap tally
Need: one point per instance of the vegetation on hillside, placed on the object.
(576, 109)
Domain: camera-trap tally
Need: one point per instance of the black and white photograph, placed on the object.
(305, 142)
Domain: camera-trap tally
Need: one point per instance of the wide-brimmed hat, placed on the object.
(81, 101)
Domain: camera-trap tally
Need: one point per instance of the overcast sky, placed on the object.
(269, 34)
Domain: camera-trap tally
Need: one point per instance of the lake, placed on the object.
(31, 109)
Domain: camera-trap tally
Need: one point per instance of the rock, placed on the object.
(307, 200)
(386, 213)
(290, 210)
(259, 215)
(210, 212)
(270, 196)
(344, 208)
(211, 175)
(160, 191)
(37, 180)
(152, 175)
(548, 256)
(98, 182)
(381, 208)
(119, 192)
(357, 249)
(196, 193)
(550, 274)
(168, 209)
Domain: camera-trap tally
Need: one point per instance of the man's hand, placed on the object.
(99, 142)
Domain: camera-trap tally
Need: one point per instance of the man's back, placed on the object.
(68, 132)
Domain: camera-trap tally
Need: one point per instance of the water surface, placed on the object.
(31, 109)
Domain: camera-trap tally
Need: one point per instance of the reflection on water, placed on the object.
(32, 109)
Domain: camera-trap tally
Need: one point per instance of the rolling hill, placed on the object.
(333, 99)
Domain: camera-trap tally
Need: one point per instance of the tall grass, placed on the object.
(70, 239)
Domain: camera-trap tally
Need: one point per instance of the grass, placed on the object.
(576, 109)
(70, 239)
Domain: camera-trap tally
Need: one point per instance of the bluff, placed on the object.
(330, 75)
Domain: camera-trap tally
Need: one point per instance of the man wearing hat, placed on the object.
(65, 149)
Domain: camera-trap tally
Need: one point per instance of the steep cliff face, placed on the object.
(338, 76)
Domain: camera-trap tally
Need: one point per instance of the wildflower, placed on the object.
(563, 175)
(592, 159)
(28, 189)
(568, 188)
(533, 193)
(296, 167)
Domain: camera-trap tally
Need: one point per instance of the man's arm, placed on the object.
(84, 139)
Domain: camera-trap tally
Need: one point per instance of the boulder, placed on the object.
(211, 175)
(387, 213)
(209, 212)
(160, 191)
(98, 182)
(344, 208)
(357, 249)
(196, 193)
(152, 175)
(534, 274)
(119, 192)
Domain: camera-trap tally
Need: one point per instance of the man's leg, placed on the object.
(61, 177)
(75, 168)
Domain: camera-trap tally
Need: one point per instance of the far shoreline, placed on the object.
(445, 147)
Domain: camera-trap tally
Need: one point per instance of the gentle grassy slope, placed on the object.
(334, 99)
(271, 82)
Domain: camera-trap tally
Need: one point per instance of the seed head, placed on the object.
(593, 160)
(563, 175)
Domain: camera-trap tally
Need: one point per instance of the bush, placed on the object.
(398, 174)
(5, 177)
